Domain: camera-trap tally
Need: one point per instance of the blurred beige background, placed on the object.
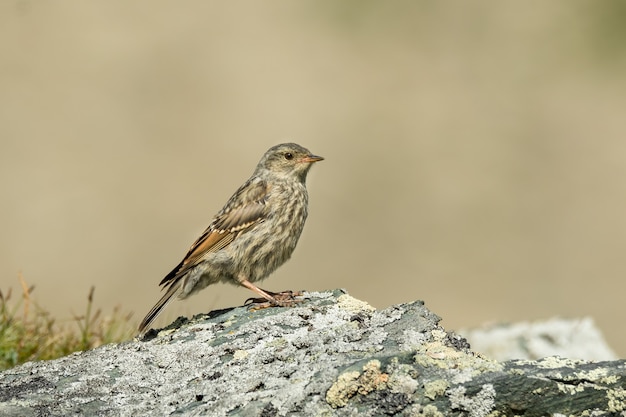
(475, 152)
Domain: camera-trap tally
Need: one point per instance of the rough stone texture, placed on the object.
(569, 338)
(331, 355)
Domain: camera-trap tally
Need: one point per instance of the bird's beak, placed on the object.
(311, 158)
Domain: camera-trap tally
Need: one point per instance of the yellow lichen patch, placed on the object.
(609, 379)
(353, 305)
(343, 389)
(240, 354)
(164, 333)
(229, 322)
(555, 362)
(569, 389)
(437, 353)
(435, 389)
(372, 378)
(516, 372)
(616, 399)
(593, 375)
(350, 383)
(439, 334)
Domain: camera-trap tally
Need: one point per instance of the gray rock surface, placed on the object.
(568, 338)
(331, 355)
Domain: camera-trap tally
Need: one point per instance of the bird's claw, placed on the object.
(281, 299)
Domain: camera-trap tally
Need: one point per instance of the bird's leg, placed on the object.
(269, 298)
(288, 294)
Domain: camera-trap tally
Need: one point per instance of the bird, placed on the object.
(251, 236)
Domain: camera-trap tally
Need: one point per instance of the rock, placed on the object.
(569, 338)
(331, 355)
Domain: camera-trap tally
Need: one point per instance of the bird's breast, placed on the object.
(271, 242)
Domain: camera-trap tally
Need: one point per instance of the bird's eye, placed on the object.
(289, 156)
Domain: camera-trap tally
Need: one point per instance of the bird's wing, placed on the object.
(244, 209)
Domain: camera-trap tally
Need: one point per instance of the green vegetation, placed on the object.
(28, 332)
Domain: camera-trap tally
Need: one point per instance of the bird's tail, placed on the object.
(158, 307)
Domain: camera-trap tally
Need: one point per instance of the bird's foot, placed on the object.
(279, 299)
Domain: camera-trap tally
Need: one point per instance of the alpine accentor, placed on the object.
(255, 232)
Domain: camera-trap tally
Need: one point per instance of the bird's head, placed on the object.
(288, 160)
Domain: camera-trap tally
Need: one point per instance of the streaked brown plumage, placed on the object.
(255, 232)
